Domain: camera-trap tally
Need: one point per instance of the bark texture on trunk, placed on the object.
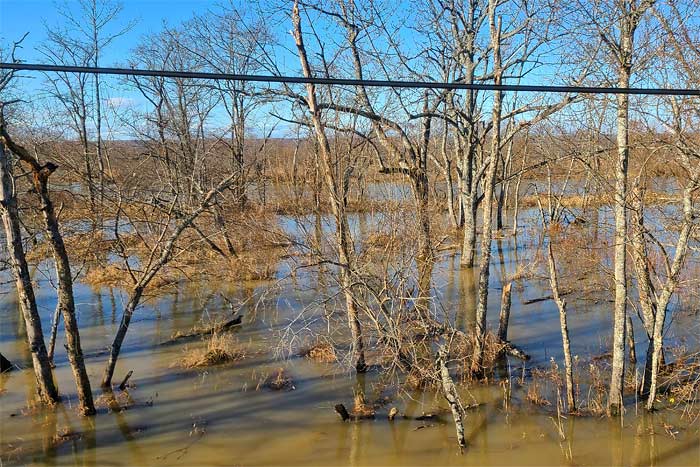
(118, 340)
(450, 392)
(66, 302)
(25, 291)
(504, 317)
(54, 332)
(620, 208)
(669, 287)
(489, 184)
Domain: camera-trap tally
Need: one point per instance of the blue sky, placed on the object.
(20, 16)
(17, 17)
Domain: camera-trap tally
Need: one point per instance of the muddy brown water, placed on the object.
(223, 416)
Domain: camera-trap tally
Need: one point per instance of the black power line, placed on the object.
(348, 82)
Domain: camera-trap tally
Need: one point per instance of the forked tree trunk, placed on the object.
(66, 303)
(148, 275)
(645, 287)
(25, 292)
(670, 286)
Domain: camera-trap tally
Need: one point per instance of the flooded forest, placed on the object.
(424, 264)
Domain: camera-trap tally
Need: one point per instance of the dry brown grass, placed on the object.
(113, 275)
(596, 396)
(115, 402)
(278, 380)
(420, 378)
(322, 352)
(681, 381)
(360, 407)
(219, 349)
(535, 394)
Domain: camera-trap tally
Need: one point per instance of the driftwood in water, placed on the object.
(545, 298)
(124, 382)
(214, 329)
(5, 364)
(395, 415)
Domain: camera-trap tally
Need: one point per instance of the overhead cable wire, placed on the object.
(347, 81)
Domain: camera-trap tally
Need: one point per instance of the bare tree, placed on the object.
(66, 302)
(337, 186)
(616, 23)
(552, 220)
(25, 291)
(160, 255)
(46, 388)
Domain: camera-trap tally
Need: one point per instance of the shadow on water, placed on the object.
(225, 415)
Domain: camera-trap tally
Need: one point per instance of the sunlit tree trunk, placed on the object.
(489, 184)
(566, 342)
(66, 302)
(337, 202)
(25, 291)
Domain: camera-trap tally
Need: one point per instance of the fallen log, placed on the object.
(236, 321)
(545, 298)
(395, 415)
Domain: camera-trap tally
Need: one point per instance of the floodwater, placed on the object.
(223, 415)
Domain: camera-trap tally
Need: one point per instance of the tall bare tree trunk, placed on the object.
(516, 194)
(25, 291)
(489, 183)
(66, 302)
(469, 211)
(645, 287)
(344, 245)
(54, 331)
(620, 255)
